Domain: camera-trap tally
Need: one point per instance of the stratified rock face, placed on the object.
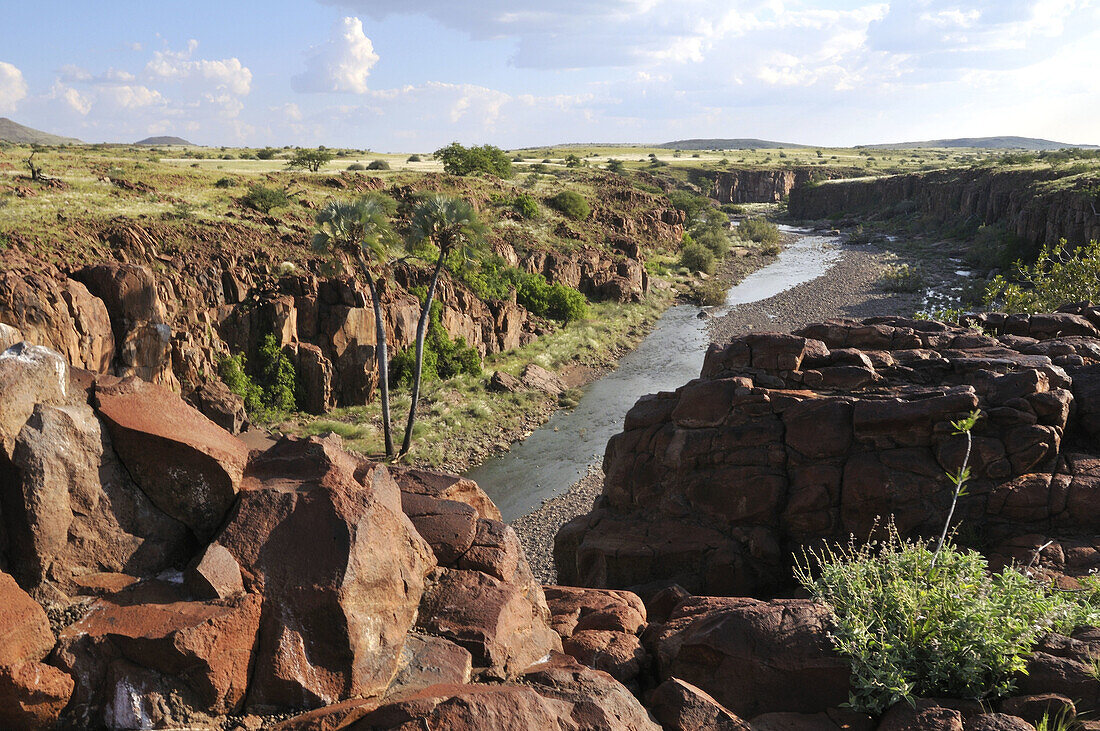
(754, 657)
(766, 186)
(187, 465)
(320, 534)
(789, 439)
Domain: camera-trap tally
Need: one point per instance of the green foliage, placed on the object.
(526, 206)
(911, 628)
(267, 153)
(460, 160)
(492, 279)
(1057, 277)
(615, 166)
(273, 386)
(443, 358)
(902, 278)
(265, 199)
(225, 182)
(732, 208)
(689, 203)
(711, 293)
(355, 166)
(413, 158)
(571, 204)
(312, 160)
(697, 257)
(758, 230)
(378, 165)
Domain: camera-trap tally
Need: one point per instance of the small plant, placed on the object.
(413, 158)
(378, 165)
(571, 204)
(225, 182)
(697, 258)
(902, 278)
(758, 230)
(265, 199)
(526, 206)
(711, 293)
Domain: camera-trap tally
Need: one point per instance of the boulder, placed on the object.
(996, 722)
(221, 406)
(188, 466)
(9, 336)
(448, 526)
(443, 486)
(504, 382)
(680, 706)
(749, 654)
(903, 716)
(618, 654)
(214, 574)
(427, 661)
(577, 609)
(1065, 666)
(149, 657)
(1033, 708)
(26, 635)
(32, 695)
(73, 509)
(319, 533)
(29, 375)
(538, 378)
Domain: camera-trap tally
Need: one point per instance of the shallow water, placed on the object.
(558, 453)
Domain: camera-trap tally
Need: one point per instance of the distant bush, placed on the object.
(615, 166)
(689, 203)
(526, 206)
(460, 160)
(711, 293)
(732, 208)
(697, 258)
(571, 204)
(312, 160)
(357, 166)
(225, 182)
(265, 199)
(902, 278)
(414, 158)
(758, 230)
(378, 165)
(267, 153)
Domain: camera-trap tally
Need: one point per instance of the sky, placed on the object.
(414, 75)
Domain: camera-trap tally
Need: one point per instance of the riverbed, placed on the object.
(560, 452)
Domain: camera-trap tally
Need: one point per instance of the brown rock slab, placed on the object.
(215, 575)
(26, 634)
(32, 695)
(445, 486)
(1032, 708)
(188, 466)
(680, 706)
(618, 654)
(996, 722)
(448, 526)
(427, 661)
(575, 608)
(904, 717)
(29, 375)
(538, 378)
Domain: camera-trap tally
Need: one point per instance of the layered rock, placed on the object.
(766, 186)
(786, 440)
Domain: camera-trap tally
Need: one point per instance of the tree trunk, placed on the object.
(421, 330)
(383, 357)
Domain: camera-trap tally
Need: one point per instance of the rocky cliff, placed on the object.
(1035, 205)
(754, 185)
(788, 440)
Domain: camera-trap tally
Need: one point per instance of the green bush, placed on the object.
(571, 204)
(711, 293)
(1057, 277)
(715, 239)
(378, 165)
(231, 368)
(225, 182)
(697, 257)
(492, 279)
(312, 160)
(732, 208)
(902, 278)
(357, 166)
(615, 166)
(274, 384)
(267, 153)
(413, 158)
(443, 358)
(758, 230)
(526, 206)
(689, 203)
(265, 199)
(460, 160)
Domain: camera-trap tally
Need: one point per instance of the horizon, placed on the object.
(361, 74)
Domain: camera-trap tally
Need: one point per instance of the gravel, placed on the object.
(846, 290)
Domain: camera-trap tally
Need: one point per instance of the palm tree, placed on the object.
(361, 230)
(447, 223)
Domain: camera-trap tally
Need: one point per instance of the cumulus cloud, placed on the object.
(340, 64)
(227, 73)
(13, 88)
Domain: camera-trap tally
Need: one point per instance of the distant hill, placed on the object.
(164, 141)
(21, 135)
(745, 143)
(987, 143)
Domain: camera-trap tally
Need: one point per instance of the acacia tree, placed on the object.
(448, 224)
(361, 231)
(312, 160)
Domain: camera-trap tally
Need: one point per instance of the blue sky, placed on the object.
(414, 75)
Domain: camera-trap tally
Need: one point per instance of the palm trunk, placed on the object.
(383, 357)
(421, 330)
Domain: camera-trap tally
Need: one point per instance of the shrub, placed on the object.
(413, 158)
(267, 153)
(615, 166)
(357, 166)
(378, 165)
(265, 199)
(443, 358)
(232, 370)
(1057, 277)
(526, 206)
(274, 384)
(493, 280)
(689, 203)
(711, 293)
(697, 258)
(460, 160)
(758, 230)
(732, 208)
(225, 182)
(566, 304)
(571, 204)
(715, 239)
(902, 278)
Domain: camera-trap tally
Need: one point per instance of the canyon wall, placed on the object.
(753, 185)
(1032, 204)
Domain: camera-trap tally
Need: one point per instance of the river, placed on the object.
(559, 452)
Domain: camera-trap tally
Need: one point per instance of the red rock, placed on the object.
(32, 695)
(573, 608)
(661, 605)
(539, 379)
(1065, 666)
(320, 534)
(781, 721)
(468, 708)
(495, 550)
(445, 487)
(997, 722)
(448, 526)
(904, 717)
(680, 706)
(223, 407)
(330, 718)
(618, 654)
(26, 635)
(74, 510)
(29, 375)
(599, 702)
(503, 629)
(749, 654)
(1032, 708)
(147, 656)
(190, 467)
(427, 661)
(9, 336)
(215, 574)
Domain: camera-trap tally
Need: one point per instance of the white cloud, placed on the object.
(79, 103)
(227, 73)
(13, 88)
(340, 64)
